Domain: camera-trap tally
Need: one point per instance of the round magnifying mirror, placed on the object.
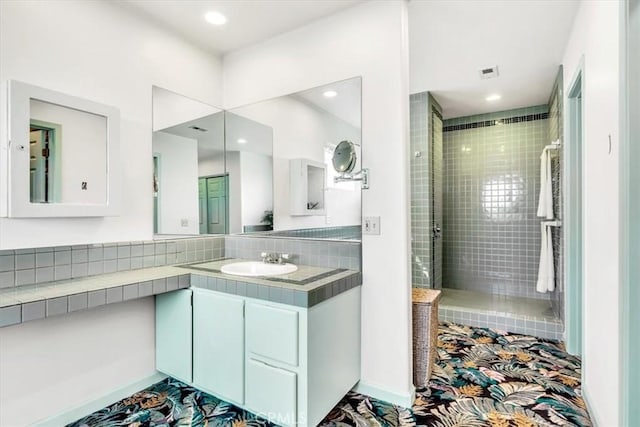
(344, 157)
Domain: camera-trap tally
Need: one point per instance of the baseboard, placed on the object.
(587, 402)
(89, 407)
(401, 399)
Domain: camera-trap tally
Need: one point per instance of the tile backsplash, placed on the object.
(23, 267)
(319, 253)
(38, 265)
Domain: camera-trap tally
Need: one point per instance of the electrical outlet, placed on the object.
(328, 219)
(371, 225)
(184, 222)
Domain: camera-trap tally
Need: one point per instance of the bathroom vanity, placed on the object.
(286, 347)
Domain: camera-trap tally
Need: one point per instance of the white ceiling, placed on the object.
(450, 41)
(248, 21)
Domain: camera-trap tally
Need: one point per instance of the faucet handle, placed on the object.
(264, 256)
(286, 257)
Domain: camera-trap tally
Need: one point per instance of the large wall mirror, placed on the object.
(264, 168)
(190, 183)
(306, 127)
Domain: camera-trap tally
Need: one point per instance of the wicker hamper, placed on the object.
(425, 333)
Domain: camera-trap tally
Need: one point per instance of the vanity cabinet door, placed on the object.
(272, 392)
(272, 333)
(218, 344)
(173, 334)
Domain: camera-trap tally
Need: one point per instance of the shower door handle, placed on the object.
(437, 231)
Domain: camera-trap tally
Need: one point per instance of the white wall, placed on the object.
(170, 109)
(51, 365)
(178, 183)
(595, 35)
(334, 49)
(101, 52)
(257, 186)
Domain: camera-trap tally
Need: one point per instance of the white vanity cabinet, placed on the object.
(288, 364)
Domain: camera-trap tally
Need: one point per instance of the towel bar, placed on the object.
(553, 146)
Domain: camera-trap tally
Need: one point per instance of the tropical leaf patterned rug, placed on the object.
(490, 378)
(483, 378)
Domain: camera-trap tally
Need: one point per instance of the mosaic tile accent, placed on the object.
(491, 183)
(317, 253)
(25, 267)
(503, 121)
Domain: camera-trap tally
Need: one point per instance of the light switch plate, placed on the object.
(371, 225)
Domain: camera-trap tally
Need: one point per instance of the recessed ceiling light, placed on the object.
(330, 94)
(493, 97)
(215, 18)
(242, 141)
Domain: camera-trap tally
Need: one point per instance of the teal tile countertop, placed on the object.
(306, 287)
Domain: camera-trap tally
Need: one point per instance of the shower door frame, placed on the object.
(436, 209)
(574, 214)
(629, 231)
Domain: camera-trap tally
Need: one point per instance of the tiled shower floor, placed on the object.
(514, 314)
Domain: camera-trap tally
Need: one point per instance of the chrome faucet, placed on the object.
(275, 258)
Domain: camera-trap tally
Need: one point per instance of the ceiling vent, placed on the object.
(489, 73)
(198, 128)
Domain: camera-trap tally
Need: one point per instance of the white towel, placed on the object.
(545, 201)
(546, 273)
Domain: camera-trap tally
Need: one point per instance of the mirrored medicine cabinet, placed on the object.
(61, 154)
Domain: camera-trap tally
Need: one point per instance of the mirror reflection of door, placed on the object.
(156, 191)
(41, 151)
(212, 199)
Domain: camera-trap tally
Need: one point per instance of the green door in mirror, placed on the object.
(212, 195)
(43, 165)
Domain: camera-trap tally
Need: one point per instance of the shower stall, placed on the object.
(476, 235)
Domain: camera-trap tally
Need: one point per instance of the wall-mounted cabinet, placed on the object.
(307, 180)
(61, 154)
(275, 360)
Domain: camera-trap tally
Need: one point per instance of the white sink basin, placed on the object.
(257, 268)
